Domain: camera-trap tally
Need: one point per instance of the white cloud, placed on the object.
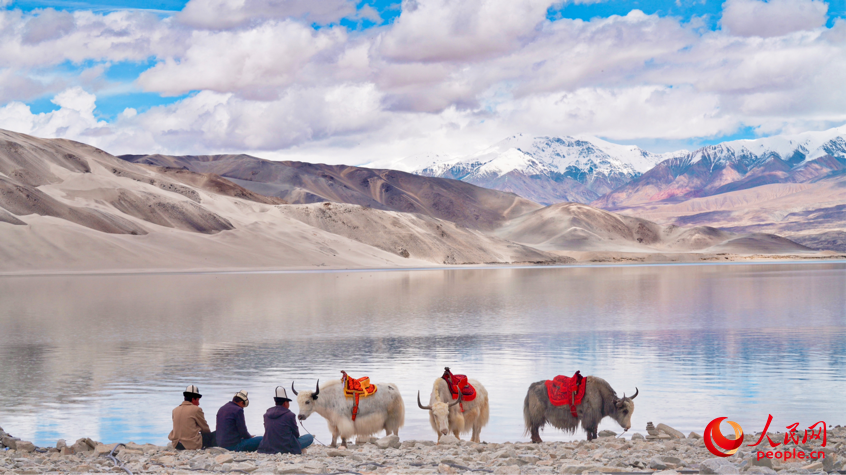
(46, 37)
(74, 119)
(773, 17)
(446, 76)
(48, 25)
(461, 30)
(223, 14)
(258, 62)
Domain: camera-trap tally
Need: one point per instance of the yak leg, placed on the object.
(457, 434)
(475, 436)
(535, 435)
(343, 442)
(334, 441)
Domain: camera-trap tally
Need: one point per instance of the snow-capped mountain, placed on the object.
(551, 169)
(737, 165)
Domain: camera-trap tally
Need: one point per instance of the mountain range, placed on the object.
(69, 207)
(587, 169)
(546, 170)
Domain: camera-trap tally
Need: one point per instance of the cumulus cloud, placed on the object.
(446, 76)
(773, 17)
(48, 25)
(461, 30)
(47, 37)
(258, 62)
(74, 118)
(223, 14)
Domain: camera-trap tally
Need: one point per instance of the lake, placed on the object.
(108, 356)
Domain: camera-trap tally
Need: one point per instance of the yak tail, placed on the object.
(527, 415)
(396, 414)
(534, 413)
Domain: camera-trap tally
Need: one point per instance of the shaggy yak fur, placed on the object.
(445, 413)
(600, 401)
(381, 411)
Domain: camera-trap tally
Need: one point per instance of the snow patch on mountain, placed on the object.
(795, 149)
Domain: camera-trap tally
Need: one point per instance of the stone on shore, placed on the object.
(670, 431)
(307, 468)
(24, 446)
(694, 435)
(448, 439)
(224, 458)
(761, 470)
(607, 433)
(391, 441)
(717, 466)
(506, 469)
(9, 441)
(101, 449)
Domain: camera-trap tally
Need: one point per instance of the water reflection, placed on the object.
(108, 356)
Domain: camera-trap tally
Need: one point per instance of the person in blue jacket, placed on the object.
(232, 433)
(281, 435)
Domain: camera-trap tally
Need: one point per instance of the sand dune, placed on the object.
(302, 183)
(813, 214)
(578, 227)
(411, 235)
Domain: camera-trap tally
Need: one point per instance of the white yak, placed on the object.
(383, 410)
(447, 417)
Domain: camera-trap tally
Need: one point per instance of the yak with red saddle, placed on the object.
(458, 405)
(564, 402)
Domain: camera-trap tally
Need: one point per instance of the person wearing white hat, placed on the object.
(190, 429)
(281, 435)
(232, 433)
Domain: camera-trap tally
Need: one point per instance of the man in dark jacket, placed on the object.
(232, 431)
(281, 435)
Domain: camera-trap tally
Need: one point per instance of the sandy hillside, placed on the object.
(578, 227)
(389, 190)
(813, 214)
(411, 234)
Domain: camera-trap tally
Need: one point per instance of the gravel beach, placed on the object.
(665, 453)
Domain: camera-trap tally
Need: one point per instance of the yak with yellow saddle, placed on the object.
(354, 407)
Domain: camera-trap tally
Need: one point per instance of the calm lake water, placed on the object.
(107, 357)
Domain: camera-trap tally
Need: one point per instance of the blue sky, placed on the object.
(450, 77)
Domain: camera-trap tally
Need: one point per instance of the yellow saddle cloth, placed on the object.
(357, 387)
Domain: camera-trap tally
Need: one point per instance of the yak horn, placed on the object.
(428, 408)
(292, 389)
(457, 401)
(635, 394)
(316, 390)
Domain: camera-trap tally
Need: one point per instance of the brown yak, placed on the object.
(600, 400)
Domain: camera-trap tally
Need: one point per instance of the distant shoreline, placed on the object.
(612, 262)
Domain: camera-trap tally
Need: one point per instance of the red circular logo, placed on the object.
(714, 436)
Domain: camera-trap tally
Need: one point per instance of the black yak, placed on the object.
(600, 400)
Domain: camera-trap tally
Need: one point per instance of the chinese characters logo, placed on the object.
(722, 446)
(713, 436)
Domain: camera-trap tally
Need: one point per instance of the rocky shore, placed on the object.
(666, 451)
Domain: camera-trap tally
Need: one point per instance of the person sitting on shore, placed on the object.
(232, 433)
(190, 429)
(281, 435)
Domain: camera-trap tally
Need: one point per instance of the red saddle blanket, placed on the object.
(561, 390)
(458, 382)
